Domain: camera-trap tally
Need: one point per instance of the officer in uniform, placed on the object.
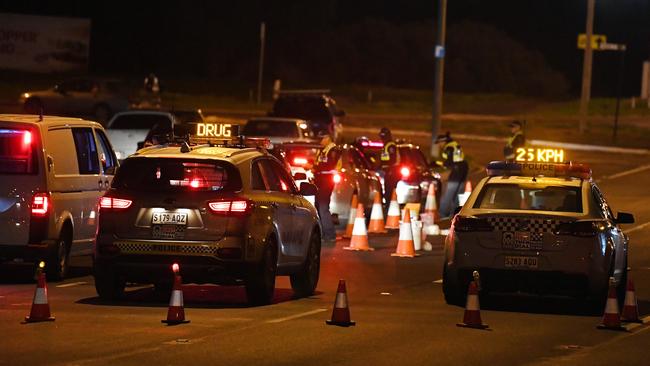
(389, 151)
(515, 141)
(325, 166)
(453, 159)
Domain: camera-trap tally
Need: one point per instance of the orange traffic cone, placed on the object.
(341, 311)
(611, 318)
(630, 308)
(359, 240)
(431, 206)
(468, 187)
(405, 244)
(472, 316)
(376, 224)
(392, 217)
(351, 217)
(40, 311)
(176, 313)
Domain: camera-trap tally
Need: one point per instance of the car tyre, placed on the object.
(453, 294)
(304, 282)
(58, 264)
(260, 284)
(108, 284)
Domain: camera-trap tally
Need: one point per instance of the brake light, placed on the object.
(230, 207)
(468, 224)
(405, 171)
(27, 138)
(40, 204)
(114, 203)
(336, 178)
(195, 183)
(581, 228)
(299, 161)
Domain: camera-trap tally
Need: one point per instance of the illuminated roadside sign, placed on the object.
(539, 155)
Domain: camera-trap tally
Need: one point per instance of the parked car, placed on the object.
(52, 172)
(316, 107)
(81, 97)
(279, 130)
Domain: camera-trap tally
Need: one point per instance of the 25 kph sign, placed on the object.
(219, 130)
(540, 155)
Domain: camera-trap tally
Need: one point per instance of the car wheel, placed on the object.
(33, 106)
(453, 294)
(260, 284)
(58, 263)
(305, 281)
(108, 284)
(102, 113)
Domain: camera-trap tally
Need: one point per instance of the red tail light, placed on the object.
(230, 207)
(114, 203)
(298, 161)
(582, 228)
(405, 171)
(466, 224)
(40, 204)
(336, 178)
(27, 138)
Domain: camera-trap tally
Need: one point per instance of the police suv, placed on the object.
(537, 225)
(225, 210)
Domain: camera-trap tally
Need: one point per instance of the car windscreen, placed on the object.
(139, 121)
(258, 128)
(303, 108)
(174, 175)
(535, 197)
(412, 156)
(17, 151)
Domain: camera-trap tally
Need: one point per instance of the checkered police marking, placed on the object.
(524, 224)
(167, 248)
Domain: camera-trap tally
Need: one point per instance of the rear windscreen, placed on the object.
(525, 197)
(270, 129)
(170, 175)
(412, 156)
(17, 152)
(139, 121)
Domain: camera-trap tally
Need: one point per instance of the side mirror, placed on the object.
(624, 218)
(300, 176)
(140, 144)
(307, 189)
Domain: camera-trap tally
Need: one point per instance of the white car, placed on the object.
(129, 130)
(279, 130)
(536, 228)
(52, 172)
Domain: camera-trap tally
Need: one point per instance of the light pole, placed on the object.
(260, 71)
(439, 75)
(586, 69)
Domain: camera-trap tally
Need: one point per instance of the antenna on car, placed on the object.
(40, 114)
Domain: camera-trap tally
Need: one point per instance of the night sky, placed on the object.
(132, 37)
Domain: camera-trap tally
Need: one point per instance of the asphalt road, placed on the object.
(397, 303)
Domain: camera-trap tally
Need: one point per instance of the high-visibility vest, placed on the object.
(512, 138)
(385, 154)
(321, 157)
(457, 154)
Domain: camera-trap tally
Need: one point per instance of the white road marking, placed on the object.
(296, 316)
(637, 228)
(72, 284)
(438, 281)
(627, 172)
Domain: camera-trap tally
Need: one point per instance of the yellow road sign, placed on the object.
(596, 41)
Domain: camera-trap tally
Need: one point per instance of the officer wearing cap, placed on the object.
(515, 141)
(453, 159)
(325, 166)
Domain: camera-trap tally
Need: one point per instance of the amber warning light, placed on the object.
(539, 155)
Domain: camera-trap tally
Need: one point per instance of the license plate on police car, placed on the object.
(169, 218)
(520, 262)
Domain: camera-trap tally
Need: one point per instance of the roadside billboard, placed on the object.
(43, 44)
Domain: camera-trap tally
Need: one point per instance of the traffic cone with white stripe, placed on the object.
(341, 311)
(611, 318)
(376, 225)
(468, 187)
(40, 311)
(351, 217)
(359, 240)
(392, 217)
(405, 244)
(176, 312)
(472, 316)
(431, 205)
(630, 308)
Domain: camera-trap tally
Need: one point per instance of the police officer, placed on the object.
(389, 151)
(453, 159)
(515, 141)
(325, 166)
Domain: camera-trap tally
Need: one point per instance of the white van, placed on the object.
(52, 172)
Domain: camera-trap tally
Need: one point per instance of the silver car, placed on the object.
(536, 228)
